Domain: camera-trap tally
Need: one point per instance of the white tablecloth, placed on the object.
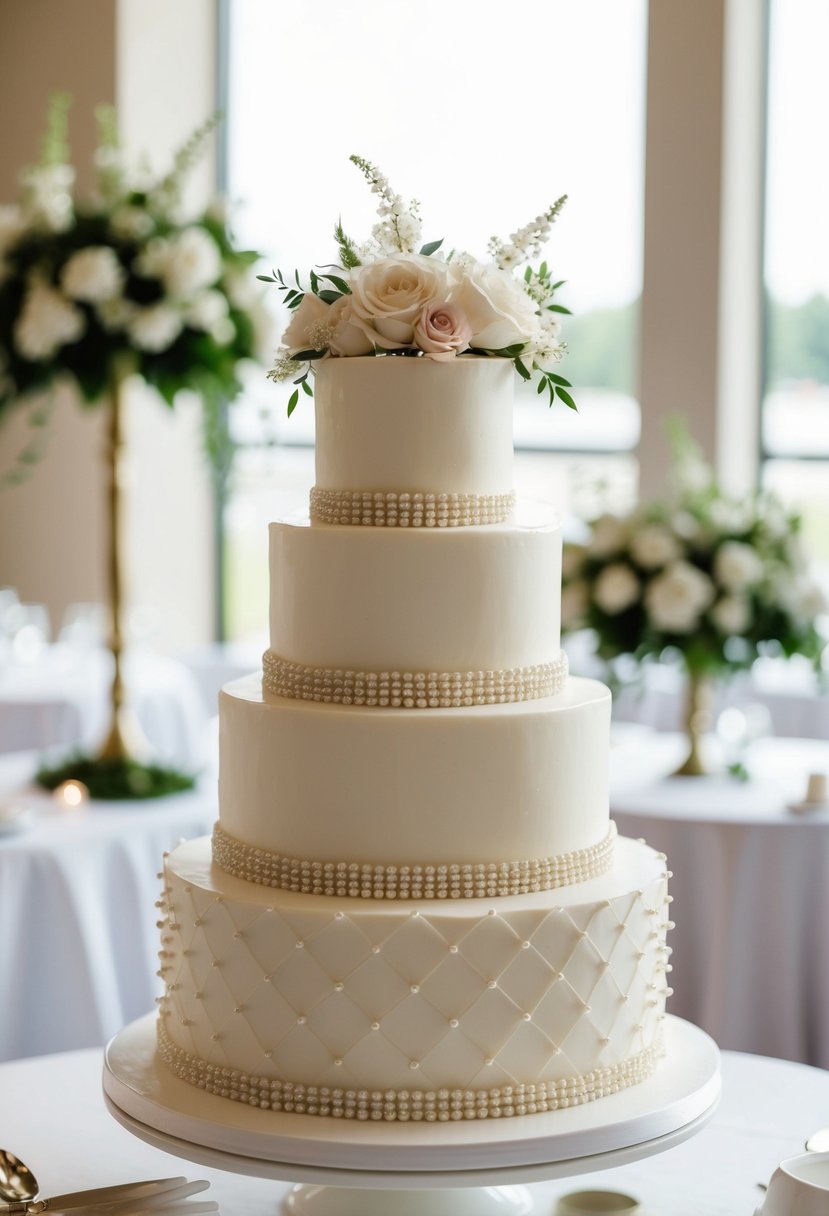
(52, 1115)
(62, 698)
(750, 886)
(78, 938)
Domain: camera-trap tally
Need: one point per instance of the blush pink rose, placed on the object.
(442, 330)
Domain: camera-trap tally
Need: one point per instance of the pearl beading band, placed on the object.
(438, 1105)
(412, 690)
(379, 508)
(371, 881)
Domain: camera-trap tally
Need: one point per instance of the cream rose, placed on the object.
(616, 588)
(307, 325)
(442, 330)
(676, 598)
(346, 337)
(499, 311)
(388, 296)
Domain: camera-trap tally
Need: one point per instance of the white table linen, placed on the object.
(52, 1115)
(78, 936)
(63, 698)
(750, 887)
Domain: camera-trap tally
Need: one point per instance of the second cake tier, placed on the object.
(468, 600)
(493, 785)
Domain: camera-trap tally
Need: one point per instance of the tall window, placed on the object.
(485, 116)
(795, 416)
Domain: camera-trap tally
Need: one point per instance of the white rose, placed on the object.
(609, 536)
(575, 602)
(731, 615)
(307, 329)
(801, 598)
(676, 598)
(154, 328)
(616, 588)
(193, 262)
(737, 565)
(151, 262)
(93, 274)
(498, 309)
(131, 223)
(654, 545)
(115, 315)
(47, 321)
(207, 311)
(731, 516)
(387, 296)
(346, 337)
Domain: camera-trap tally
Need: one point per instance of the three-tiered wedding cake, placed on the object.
(414, 905)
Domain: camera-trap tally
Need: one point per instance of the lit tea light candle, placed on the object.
(70, 795)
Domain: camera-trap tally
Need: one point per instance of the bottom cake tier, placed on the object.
(363, 1008)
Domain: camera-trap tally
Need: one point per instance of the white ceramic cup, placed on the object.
(598, 1203)
(799, 1187)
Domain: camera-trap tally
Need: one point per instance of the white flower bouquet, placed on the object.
(123, 279)
(718, 581)
(394, 295)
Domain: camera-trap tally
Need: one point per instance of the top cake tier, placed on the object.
(413, 442)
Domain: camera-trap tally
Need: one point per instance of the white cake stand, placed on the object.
(349, 1168)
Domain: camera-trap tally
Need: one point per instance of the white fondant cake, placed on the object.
(414, 906)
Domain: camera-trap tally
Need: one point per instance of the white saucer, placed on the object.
(654, 1115)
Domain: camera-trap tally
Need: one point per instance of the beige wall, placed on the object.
(155, 59)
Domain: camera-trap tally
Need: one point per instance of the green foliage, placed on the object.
(117, 780)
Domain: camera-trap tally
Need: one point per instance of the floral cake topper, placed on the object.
(393, 295)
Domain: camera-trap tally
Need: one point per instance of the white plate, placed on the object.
(667, 1108)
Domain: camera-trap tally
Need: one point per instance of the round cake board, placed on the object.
(348, 1160)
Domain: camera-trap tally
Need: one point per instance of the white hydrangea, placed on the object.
(654, 545)
(616, 588)
(609, 536)
(676, 598)
(193, 262)
(47, 322)
(154, 328)
(731, 615)
(575, 601)
(93, 274)
(737, 565)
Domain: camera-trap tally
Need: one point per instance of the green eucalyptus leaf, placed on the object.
(566, 398)
(521, 369)
(430, 247)
(294, 398)
(558, 380)
(339, 283)
(559, 308)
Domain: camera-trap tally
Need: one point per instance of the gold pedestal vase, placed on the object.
(121, 768)
(699, 702)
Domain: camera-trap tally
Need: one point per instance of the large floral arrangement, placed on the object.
(394, 295)
(718, 581)
(122, 280)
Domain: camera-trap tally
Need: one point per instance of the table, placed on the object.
(62, 697)
(79, 943)
(52, 1115)
(750, 886)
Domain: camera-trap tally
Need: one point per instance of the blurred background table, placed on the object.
(61, 696)
(750, 886)
(52, 1115)
(78, 947)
